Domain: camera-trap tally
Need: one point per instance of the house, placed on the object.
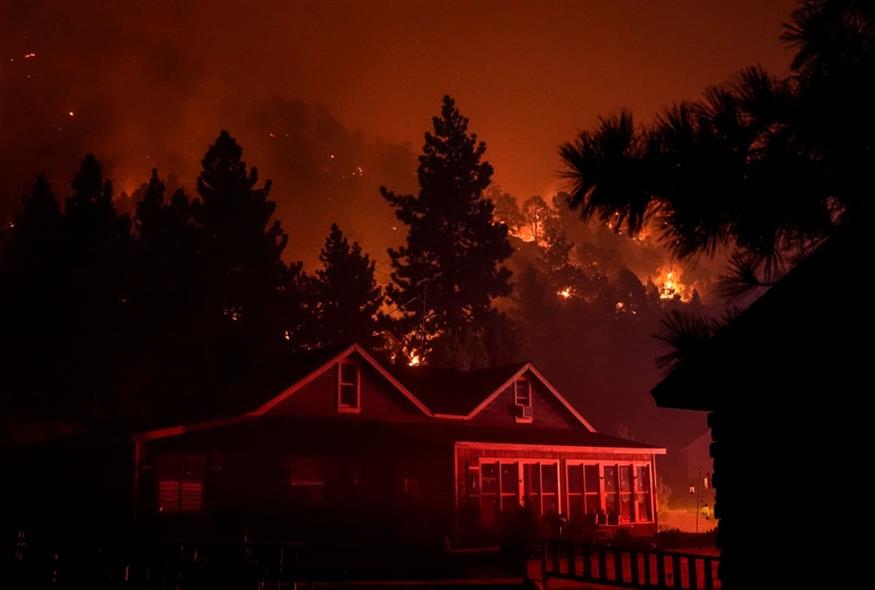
(783, 385)
(345, 445)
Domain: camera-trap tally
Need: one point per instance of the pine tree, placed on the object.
(250, 288)
(242, 246)
(346, 296)
(148, 210)
(31, 283)
(96, 247)
(445, 278)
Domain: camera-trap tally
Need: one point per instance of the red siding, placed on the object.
(379, 398)
(547, 411)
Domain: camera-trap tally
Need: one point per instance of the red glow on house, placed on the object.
(421, 452)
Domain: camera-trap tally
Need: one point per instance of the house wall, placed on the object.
(373, 487)
(547, 411)
(379, 398)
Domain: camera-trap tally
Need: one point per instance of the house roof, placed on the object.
(807, 314)
(319, 364)
(442, 394)
(450, 391)
(313, 432)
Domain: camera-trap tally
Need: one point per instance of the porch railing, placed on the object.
(628, 568)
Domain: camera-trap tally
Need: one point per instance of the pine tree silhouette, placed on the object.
(346, 297)
(447, 275)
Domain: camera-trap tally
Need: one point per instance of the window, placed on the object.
(489, 496)
(643, 505)
(625, 472)
(612, 496)
(593, 494)
(522, 399)
(622, 492)
(510, 486)
(522, 392)
(549, 489)
(181, 483)
(348, 388)
(307, 480)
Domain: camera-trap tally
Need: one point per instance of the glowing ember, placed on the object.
(565, 293)
(413, 361)
(524, 235)
(30, 55)
(71, 114)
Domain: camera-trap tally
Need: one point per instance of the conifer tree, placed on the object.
(346, 296)
(446, 277)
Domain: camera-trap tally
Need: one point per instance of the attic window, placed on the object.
(348, 387)
(522, 399)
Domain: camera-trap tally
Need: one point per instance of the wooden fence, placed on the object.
(628, 568)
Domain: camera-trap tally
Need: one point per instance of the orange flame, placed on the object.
(668, 281)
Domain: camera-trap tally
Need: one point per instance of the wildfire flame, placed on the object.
(670, 286)
(565, 293)
(414, 360)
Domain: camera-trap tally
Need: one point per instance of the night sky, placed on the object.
(330, 99)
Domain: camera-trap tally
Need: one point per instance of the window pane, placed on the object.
(549, 478)
(642, 482)
(532, 477)
(551, 505)
(575, 479)
(593, 503)
(168, 495)
(348, 396)
(576, 507)
(192, 496)
(611, 504)
(626, 507)
(473, 483)
(523, 393)
(510, 479)
(592, 478)
(626, 478)
(643, 501)
(489, 478)
(348, 373)
(610, 478)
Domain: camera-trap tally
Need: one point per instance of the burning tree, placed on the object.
(445, 278)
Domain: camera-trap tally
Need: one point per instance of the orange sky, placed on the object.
(528, 74)
(151, 84)
(531, 74)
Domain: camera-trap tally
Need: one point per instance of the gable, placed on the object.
(547, 410)
(378, 394)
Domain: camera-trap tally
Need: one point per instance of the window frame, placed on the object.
(342, 407)
(522, 493)
(528, 403)
(181, 471)
(633, 493)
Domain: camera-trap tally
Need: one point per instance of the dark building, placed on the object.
(783, 385)
(343, 445)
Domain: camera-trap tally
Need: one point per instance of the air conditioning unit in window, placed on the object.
(524, 411)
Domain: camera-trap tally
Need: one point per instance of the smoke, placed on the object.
(150, 86)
